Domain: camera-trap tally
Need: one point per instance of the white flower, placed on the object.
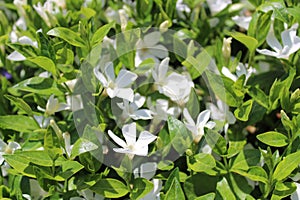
(161, 109)
(148, 47)
(54, 106)
(221, 112)
(291, 43)
(182, 8)
(49, 9)
(197, 128)
(242, 21)
(216, 6)
(15, 55)
(131, 110)
(147, 171)
(132, 146)
(241, 69)
(296, 194)
(159, 74)
(116, 87)
(7, 149)
(73, 101)
(178, 87)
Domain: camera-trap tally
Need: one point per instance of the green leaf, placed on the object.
(101, 33)
(141, 187)
(110, 188)
(68, 35)
(194, 186)
(250, 42)
(18, 123)
(193, 104)
(175, 191)
(180, 137)
(286, 166)
(273, 138)
(180, 48)
(224, 190)
(45, 63)
(69, 168)
(259, 96)
(282, 14)
(209, 196)
(259, 26)
(20, 103)
(202, 162)
(242, 112)
(215, 141)
(174, 175)
(81, 146)
(283, 190)
(254, 173)
(196, 66)
(245, 159)
(47, 49)
(38, 85)
(294, 11)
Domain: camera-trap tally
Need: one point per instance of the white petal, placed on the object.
(228, 74)
(3, 146)
(145, 138)
(141, 151)
(203, 117)
(188, 117)
(100, 76)
(117, 140)
(129, 133)
(112, 92)
(124, 93)
(109, 71)
(125, 78)
(138, 100)
(16, 56)
(141, 114)
(14, 146)
(267, 52)
(210, 124)
(26, 40)
(163, 68)
(272, 41)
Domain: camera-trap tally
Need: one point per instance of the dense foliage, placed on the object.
(149, 99)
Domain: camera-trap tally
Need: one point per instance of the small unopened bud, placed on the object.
(57, 130)
(189, 152)
(163, 27)
(226, 48)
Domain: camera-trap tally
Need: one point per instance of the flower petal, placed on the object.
(272, 41)
(124, 93)
(141, 114)
(125, 78)
(129, 133)
(188, 117)
(144, 139)
(109, 71)
(163, 68)
(203, 117)
(116, 139)
(159, 51)
(100, 76)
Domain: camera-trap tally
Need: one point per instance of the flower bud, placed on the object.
(226, 48)
(163, 27)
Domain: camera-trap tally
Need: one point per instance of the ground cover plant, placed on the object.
(149, 99)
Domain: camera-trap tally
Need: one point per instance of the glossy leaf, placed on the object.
(18, 123)
(273, 138)
(110, 188)
(286, 166)
(68, 35)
